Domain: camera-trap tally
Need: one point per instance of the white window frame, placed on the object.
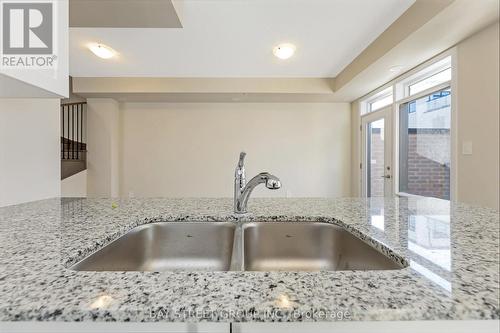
(420, 73)
(365, 106)
(436, 88)
(426, 69)
(400, 91)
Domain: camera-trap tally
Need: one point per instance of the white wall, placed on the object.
(478, 118)
(30, 164)
(356, 149)
(190, 150)
(103, 128)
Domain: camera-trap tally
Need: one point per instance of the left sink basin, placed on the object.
(166, 246)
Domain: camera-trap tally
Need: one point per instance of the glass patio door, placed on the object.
(377, 153)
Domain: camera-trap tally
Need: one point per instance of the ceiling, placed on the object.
(221, 38)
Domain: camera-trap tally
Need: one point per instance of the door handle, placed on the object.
(386, 176)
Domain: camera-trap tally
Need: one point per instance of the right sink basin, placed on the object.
(307, 246)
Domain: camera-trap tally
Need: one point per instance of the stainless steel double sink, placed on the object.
(226, 246)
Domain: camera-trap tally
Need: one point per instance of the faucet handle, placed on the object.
(242, 159)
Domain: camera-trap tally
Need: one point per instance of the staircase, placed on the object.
(73, 138)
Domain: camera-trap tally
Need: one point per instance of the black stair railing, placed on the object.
(73, 118)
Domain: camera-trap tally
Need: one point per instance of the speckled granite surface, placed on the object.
(452, 252)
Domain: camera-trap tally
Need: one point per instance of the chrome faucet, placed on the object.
(242, 190)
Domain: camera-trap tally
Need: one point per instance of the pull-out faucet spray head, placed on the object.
(273, 183)
(242, 189)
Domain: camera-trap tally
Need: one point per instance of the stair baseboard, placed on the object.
(72, 167)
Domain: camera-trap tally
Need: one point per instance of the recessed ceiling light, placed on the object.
(396, 69)
(284, 51)
(102, 51)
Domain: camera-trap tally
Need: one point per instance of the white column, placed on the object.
(103, 145)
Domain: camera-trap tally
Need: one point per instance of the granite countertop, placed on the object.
(452, 251)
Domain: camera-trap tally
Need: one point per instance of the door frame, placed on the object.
(385, 113)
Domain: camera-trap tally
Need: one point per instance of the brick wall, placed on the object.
(428, 163)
